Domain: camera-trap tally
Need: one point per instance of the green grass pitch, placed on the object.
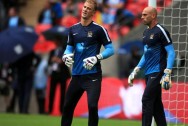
(46, 120)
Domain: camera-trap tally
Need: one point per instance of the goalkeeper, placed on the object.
(83, 52)
(157, 60)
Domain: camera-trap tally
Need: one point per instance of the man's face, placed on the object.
(87, 11)
(146, 17)
(12, 12)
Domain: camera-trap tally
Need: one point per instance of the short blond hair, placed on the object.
(93, 2)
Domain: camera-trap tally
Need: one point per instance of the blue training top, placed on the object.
(157, 44)
(86, 41)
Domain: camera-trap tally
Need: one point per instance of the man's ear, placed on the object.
(154, 15)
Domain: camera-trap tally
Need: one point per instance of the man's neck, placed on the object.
(153, 24)
(85, 22)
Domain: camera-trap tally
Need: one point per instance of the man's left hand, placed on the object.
(166, 82)
(90, 62)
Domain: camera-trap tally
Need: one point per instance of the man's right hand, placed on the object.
(132, 76)
(68, 59)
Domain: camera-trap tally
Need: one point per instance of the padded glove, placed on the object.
(68, 59)
(166, 82)
(132, 76)
(91, 61)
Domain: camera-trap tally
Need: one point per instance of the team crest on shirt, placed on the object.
(89, 34)
(151, 36)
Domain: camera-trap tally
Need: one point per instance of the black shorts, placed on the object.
(153, 86)
(91, 83)
(86, 81)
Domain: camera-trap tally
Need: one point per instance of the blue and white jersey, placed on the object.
(155, 56)
(87, 41)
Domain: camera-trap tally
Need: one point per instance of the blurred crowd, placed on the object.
(117, 16)
(35, 69)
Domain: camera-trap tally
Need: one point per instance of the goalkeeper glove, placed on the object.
(166, 79)
(132, 75)
(91, 61)
(68, 59)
